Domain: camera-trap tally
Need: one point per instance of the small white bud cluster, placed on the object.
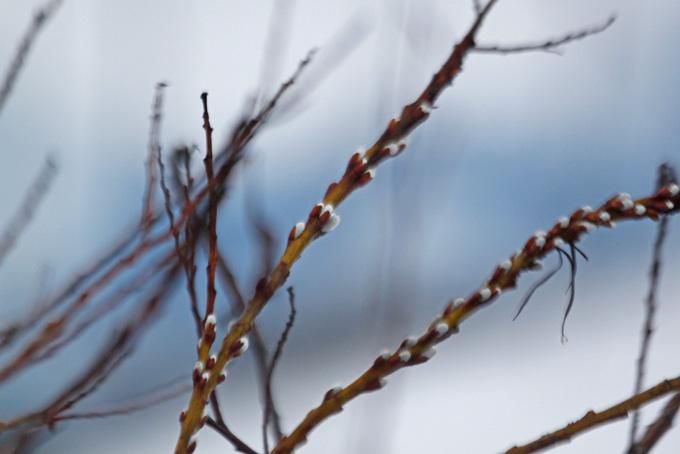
(485, 294)
(605, 217)
(506, 265)
(198, 367)
(640, 209)
(210, 321)
(539, 239)
(673, 189)
(564, 222)
(558, 242)
(670, 205)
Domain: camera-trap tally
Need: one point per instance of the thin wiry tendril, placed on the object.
(572, 287)
(538, 284)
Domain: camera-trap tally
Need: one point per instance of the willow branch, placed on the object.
(594, 419)
(322, 219)
(417, 350)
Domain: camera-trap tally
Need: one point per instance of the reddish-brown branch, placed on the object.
(413, 351)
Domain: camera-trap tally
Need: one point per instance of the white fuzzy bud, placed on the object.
(589, 226)
(331, 224)
(670, 205)
(640, 209)
(605, 217)
(673, 189)
(426, 107)
(393, 149)
(485, 293)
(410, 341)
(198, 367)
(442, 328)
(558, 242)
(244, 344)
(564, 222)
(211, 320)
(299, 228)
(429, 353)
(404, 356)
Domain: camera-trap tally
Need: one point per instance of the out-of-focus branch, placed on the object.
(153, 159)
(594, 419)
(35, 194)
(666, 177)
(221, 427)
(114, 353)
(269, 397)
(551, 45)
(40, 19)
(658, 428)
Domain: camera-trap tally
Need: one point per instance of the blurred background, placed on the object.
(517, 142)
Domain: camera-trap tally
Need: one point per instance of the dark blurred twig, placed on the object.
(666, 177)
(40, 18)
(35, 194)
(268, 414)
(153, 158)
(551, 45)
(221, 427)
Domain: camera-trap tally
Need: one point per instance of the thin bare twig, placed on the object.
(212, 211)
(40, 18)
(550, 46)
(154, 398)
(221, 427)
(658, 428)
(153, 159)
(35, 194)
(269, 400)
(594, 419)
(666, 177)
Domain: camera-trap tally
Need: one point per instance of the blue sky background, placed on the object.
(517, 142)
